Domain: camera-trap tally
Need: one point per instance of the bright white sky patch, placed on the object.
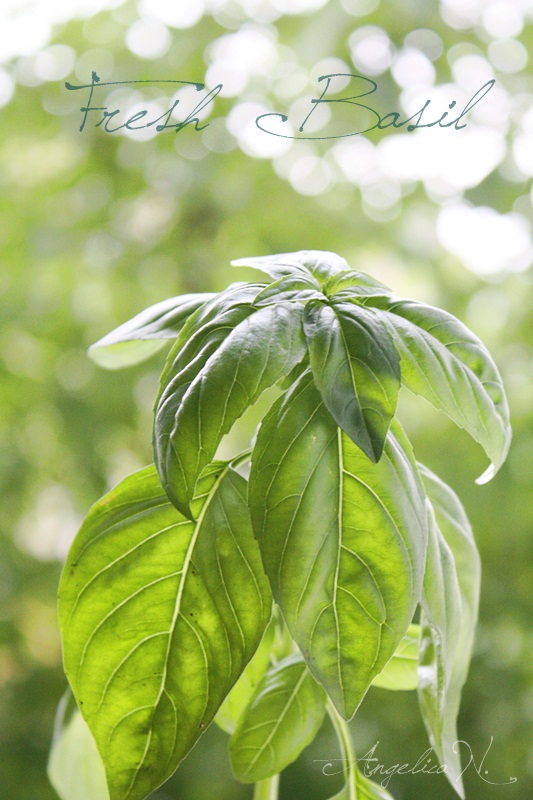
(371, 49)
(486, 242)
(177, 14)
(298, 6)
(508, 55)
(47, 531)
(412, 68)
(310, 175)
(523, 153)
(357, 160)
(148, 38)
(7, 87)
(236, 57)
(455, 159)
(241, 123)
(503, 19)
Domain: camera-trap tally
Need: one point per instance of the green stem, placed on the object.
(283, 643)
(267, 789)
(347, 753)
(241, 458)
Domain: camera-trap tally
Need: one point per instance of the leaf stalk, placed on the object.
(267, 789)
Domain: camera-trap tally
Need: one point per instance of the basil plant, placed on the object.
(272, 589)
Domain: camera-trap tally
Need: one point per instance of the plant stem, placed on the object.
(267, 789)
(347, 753)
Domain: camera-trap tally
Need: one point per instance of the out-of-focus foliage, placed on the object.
(97, 226)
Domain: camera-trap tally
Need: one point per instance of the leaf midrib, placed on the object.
(274, 730)
(176, 614)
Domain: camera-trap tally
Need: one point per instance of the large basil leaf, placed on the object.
(283, 717)
(442, 360)
(343, 540)
(146, 333)
(356, 369)
(450, 602)
(401, 673)
(257, 353)
(75, 768)
(159, 616)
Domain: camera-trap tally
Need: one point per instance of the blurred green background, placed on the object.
(96, 226)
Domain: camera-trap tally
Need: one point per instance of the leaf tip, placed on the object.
(487, 476)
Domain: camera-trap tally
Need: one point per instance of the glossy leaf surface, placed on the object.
(145, 334)
(159, 617)
(350, 281)
(450, 602)
(198, 342)
(359, 787)
(257, 353)
(283, 717)
(356, 369)
(401, 673)
(75, 768)
(290, 287)
(343, 540)
(237, 700)
(442, 360)
(320, 264)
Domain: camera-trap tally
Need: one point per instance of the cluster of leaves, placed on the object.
(166, 601)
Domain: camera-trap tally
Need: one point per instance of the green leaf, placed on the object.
(282, 718)
(321, 264)
(343, 540)
(356, 369)
(370, 790)
(257, 353)
(204, 331)
(350, 281)
(401, 673)
(441, 624)
(450, 603)
(442, 360)
(159, 616)
(278, 267)
(235, 703)
(199, 340)
(364, 789)
(75, 768)
(146, 333)
(290, 287)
